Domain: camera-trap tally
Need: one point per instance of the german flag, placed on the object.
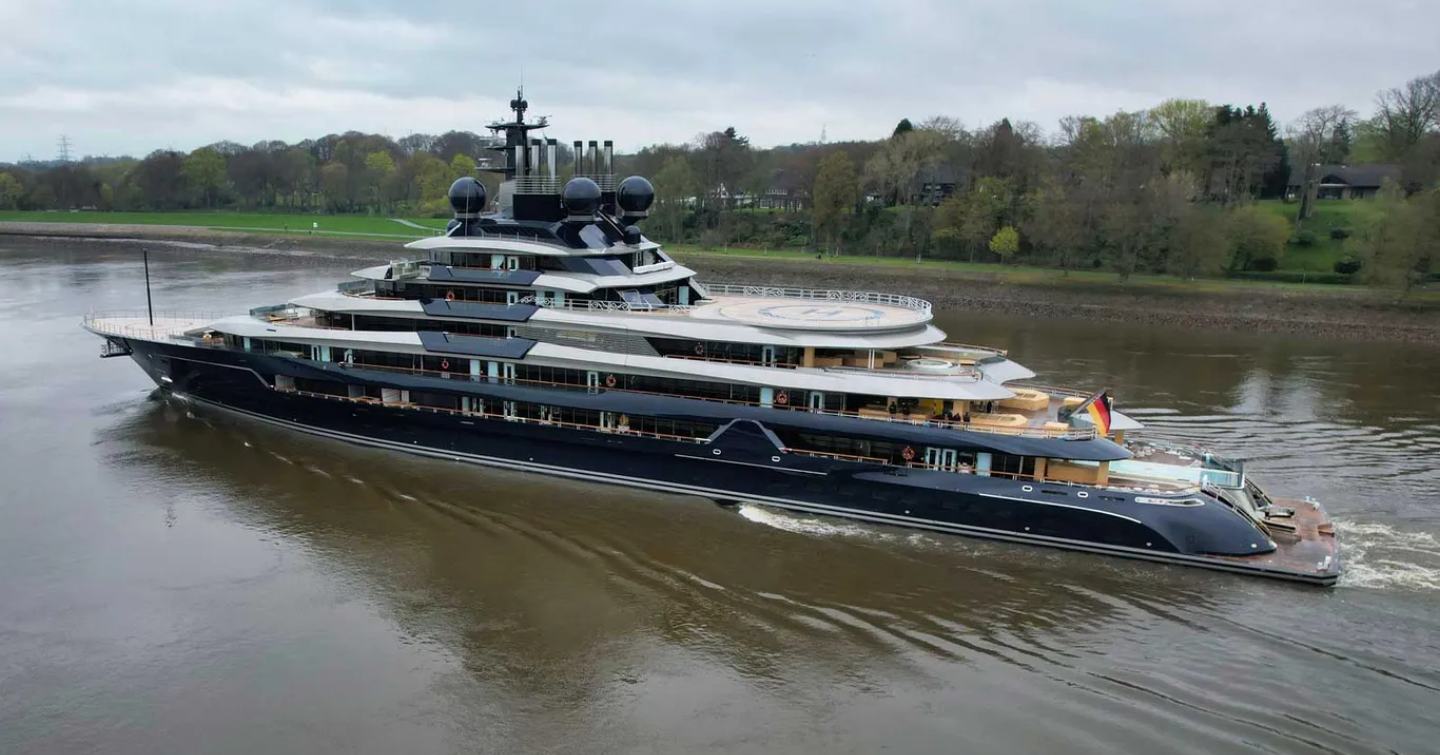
(1098, 406)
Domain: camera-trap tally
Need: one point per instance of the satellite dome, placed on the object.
(633, 237)
(581, 198)
(467, 196)
(635, 195)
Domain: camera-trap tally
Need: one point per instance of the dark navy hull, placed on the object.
(741, 463)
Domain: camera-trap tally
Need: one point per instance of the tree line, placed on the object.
(1169, 189)
(339, 173)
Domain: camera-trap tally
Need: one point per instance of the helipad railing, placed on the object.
(786, 292)
(136, 324)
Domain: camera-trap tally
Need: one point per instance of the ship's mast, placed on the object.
(520, 159)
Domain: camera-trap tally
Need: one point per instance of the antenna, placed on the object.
(64, 145)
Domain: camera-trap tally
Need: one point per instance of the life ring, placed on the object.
(908, 454)
(445, 364)
(699, 349)
(450, 296)
(782, 398)
(609, 381)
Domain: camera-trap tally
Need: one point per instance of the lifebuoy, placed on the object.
(699, 349)
(445, 364)
(908, 454)
(449, 296)
(609, 381)
(782, 398)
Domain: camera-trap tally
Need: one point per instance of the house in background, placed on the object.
(1343, 181)
(937, 183)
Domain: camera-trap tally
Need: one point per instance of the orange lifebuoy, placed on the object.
(609, 381)
(445, 364)
(449, 296)
(782, 398)
(908, 454)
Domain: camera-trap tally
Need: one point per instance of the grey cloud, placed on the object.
(130, 77)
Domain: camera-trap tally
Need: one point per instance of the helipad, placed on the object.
(810, 314)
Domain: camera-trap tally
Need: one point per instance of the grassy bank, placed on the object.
(1321, 256)
(250, 222)
(857, 269)
(1035, 276)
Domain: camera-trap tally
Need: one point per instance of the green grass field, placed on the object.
(1036, 276)
(1352, 215)
(259, 222)
(1297, 258)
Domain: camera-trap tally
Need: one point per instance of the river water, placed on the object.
(176, 581)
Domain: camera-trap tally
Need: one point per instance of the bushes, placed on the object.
(1304, 238)
(1348, 265)
(1257, 238)
(1339, 234)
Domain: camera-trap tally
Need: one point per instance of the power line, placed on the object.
(64, 148)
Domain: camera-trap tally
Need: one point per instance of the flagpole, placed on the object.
(149, 307)
(1087, 402)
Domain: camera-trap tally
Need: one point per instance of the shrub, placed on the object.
(1304, 238)
(1339, 234)
(1348, 265)
(1263, 264)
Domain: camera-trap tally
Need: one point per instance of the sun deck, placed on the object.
(140, 326)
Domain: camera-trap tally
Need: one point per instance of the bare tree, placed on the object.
(1321, 135)
(1405, 113)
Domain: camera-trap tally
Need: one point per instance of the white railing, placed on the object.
(353, 288)
(785, 292)
(653, 267)
(604, 306)
(136, 324)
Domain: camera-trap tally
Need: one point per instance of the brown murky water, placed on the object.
(176, 581)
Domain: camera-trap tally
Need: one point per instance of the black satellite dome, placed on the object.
(635, 195)
(633, 236)
(467, 196)
(581, 197)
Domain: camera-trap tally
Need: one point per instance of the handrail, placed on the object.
(727, 360)
(490, 415)
(968, 346)
(784, 292)
(595, 305)
(95, 322)
(1074, 433)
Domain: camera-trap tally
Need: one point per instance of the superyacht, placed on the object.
(545, 332)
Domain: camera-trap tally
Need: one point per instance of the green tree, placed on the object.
(1402, 243)
(1182, 126)
(204, 172)
(675, 190)
(1200, 246)
(335, 186)
(1254, 235)
(462, 165)
(833, 199)
(10, 191)
(380, 172)
(1056, 223)
(1005, 243)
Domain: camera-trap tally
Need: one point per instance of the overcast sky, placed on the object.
(134, 76)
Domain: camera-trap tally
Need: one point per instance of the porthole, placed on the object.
(1083, 494)
(1028, 488)
(775, 459)
(715, 451)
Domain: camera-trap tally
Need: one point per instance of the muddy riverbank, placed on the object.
(1329, 312)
